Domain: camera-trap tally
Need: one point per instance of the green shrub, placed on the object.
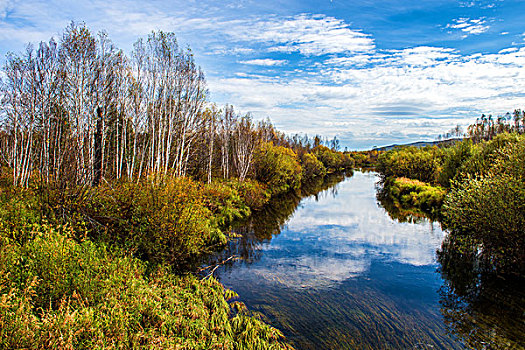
(162, 223)
(19, 210)
(278, 167)
(348, 161)
(364, 159)
(225, 202)
(312, 167)
(411, 162)
(491, 209)
(485, 155)
(454, 159)
(332, 160)
(253, 193)
(414, 193)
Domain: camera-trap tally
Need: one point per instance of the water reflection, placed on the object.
(331, 238)
(338, 272)
(268, 222)
(485, 310)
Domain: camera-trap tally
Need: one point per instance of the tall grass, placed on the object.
(59, 292)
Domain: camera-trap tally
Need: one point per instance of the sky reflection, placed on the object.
(330, 239)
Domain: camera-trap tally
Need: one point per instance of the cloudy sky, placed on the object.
(371, 72)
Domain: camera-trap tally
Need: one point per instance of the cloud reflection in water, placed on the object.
(331, 239)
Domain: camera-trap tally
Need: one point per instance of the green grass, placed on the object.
(59, 292)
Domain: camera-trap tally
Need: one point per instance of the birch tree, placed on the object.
(245, 141)
(80, 110)
(78, 53)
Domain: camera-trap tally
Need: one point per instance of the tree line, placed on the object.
(79, 110)
(487, 127)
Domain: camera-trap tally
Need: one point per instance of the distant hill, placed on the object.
(421, 144)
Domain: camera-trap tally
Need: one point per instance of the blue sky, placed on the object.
(369, 72)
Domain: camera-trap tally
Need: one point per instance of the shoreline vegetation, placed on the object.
(475, 188)
(117, 177)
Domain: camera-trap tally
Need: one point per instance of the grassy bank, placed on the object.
(110, 266)
(62, 292)
(410, 193)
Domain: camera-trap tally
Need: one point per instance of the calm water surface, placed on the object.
(335, 271)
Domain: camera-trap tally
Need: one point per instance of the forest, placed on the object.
(117, 176)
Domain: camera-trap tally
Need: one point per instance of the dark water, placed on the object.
(335, 271)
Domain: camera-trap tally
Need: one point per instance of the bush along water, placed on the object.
(61, 292)
(490, 209)
(477, 188)
(409, 193)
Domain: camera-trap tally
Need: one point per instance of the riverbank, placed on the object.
(114, 265)
(476, 189)
(336, 263)
(62, 292)
(113, 270)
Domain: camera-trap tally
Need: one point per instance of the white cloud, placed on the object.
(336, 82)
(470, 26)
(356, 60)
(423, 56)
(508, 50)
(481, 4)
(423, 82)
(25, 36)
(265, 62)
(5, 6)
(467, 4)
(307, 34)
(225, 50)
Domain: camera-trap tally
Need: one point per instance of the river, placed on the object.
(333, 270)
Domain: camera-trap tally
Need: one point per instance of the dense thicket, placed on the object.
(60, 292)
(490, 208)
(484, 206)
(422, 164)
(410, 193)
(440, 166)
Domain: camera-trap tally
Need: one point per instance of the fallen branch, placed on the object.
(216, 266)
